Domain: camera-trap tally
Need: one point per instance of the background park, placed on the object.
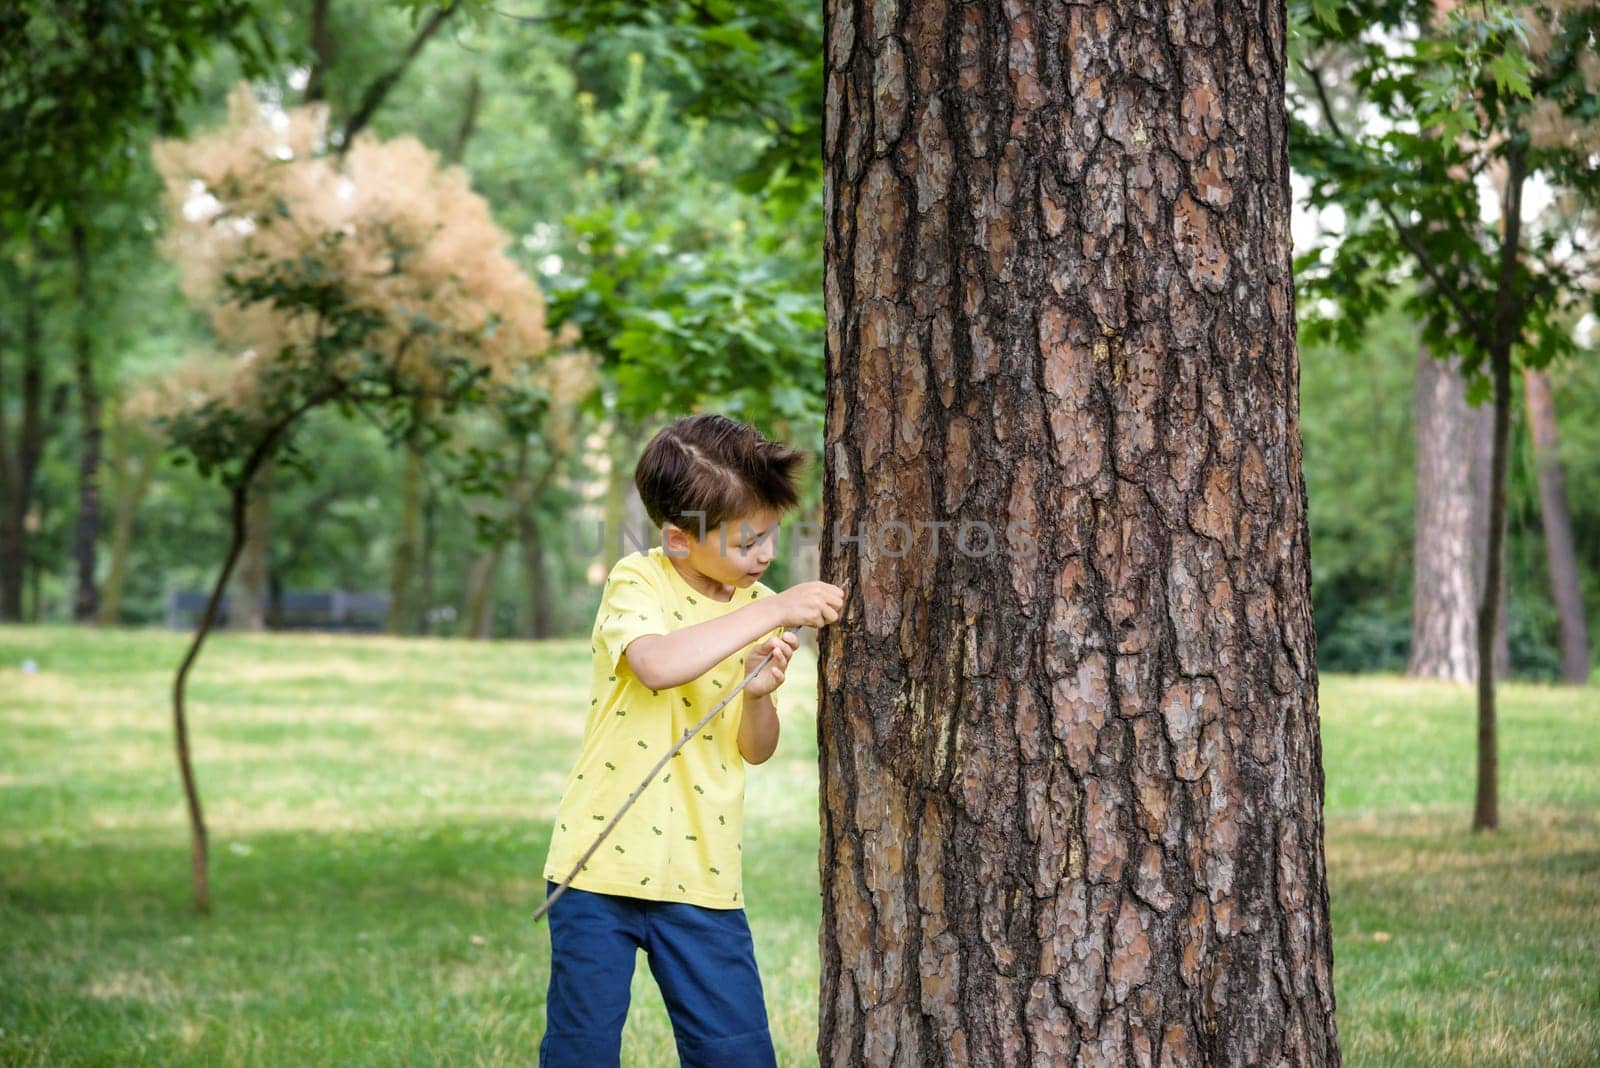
(330, 331)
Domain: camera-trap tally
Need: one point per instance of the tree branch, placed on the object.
(1478, 329)
(380, 87)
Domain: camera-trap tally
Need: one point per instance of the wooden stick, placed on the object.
(690, 733)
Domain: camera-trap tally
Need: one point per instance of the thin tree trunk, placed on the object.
(379, 89)
(469, 121)
(248, 608)
(402, 608)
(86, 602)
(19, 462)
(430, 509)
(133, 460)
(477, 611)
(1071, 797)
(238, 522)
(534, 615)
(402, 594)
(322, 50)
(618, 478)
(1508, 313)
(1560, 552)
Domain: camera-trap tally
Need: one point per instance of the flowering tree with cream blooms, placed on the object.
(372, 279)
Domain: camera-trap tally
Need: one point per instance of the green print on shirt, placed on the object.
(610, 765)
(677, 613)
(641, 744)
(713, 871)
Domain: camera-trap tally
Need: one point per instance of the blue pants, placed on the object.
(702, 959)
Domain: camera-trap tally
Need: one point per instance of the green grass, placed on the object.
(379, 812)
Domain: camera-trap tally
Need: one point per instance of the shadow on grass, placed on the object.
(394, 945)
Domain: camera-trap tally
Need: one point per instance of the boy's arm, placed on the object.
(758, 729)
(662, 661)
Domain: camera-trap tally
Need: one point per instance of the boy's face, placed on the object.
(738, 557)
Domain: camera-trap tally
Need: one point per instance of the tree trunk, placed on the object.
(534, 614)
(86, 602)
(1072, 797)
(430, 510)
(536, 605)
(1509, 308)
(477, 610)
(402, 604)
(133, 459)
(1454, 449)
(322, 50)
(19, 462)
(248, 607)
(1559, 550)
(619, 477)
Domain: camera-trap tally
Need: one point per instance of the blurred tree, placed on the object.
(364, 277)
(81, 83)
(1509, 86)
(750, 62)
(1565, 586)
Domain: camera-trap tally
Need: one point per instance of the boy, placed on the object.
(678, 627)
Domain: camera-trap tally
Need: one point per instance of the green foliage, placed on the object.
(82, 81)
(1393, 120)
(688, 292)
(753, 62)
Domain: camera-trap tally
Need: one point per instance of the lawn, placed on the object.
(379, 810)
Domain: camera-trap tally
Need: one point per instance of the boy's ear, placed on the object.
(675, 540)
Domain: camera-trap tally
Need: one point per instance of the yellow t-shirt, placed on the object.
(681, 840)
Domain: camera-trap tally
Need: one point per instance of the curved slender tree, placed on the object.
(364, 276)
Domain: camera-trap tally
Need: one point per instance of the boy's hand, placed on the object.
(810, 604)
(772, 675)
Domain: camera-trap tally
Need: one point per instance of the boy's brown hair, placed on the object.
(708, 463)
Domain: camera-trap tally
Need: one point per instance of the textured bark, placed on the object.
(1559, 549)
(1071, 800)
(86, 535)
(1454, 448)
